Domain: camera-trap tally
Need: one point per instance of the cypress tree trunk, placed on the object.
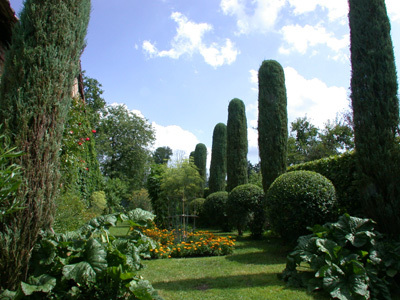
(218, 159)
(200, 160)
(272, 121)
(376, 111)
(237, 147)
(35, 95)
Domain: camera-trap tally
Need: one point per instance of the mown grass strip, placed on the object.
(251, 272)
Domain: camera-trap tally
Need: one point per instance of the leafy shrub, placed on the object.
(299, 199)
(139, 199)
(98, 202)
(342, 171)
(196, 206)
(71, 212)
(245, 206)
(201, 243)
(214, 210)
(10, 178)
(90, 263)
(347, 259)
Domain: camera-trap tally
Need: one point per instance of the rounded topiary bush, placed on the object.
(246, 207)
(214, 210)
(196, 206)
(299, 199)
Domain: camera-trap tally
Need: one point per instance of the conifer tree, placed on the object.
(200, 160)
(376, 111)
(218, 159)
(237, 146)
(272, 121)
(35, 96)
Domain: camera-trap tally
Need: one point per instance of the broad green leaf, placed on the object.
(96, 256)
(81, 272)
(44, 283)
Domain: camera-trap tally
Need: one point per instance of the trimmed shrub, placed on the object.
(299, 199)
(196, 206)
(272, 121)
(246, 207)
(217, 181)
(342, 171)
(236, 145)
(200, 160)
(214, 210)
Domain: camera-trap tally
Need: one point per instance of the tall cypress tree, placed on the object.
(376, 111)
(237, 146)
(217, 182)
(272, 121)
(35, 96)
(200, 160)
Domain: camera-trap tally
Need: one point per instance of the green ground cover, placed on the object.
(251, 272)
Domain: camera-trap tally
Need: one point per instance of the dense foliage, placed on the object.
(272, 121)
(196, 206)
(297, 200)
(348, 259)
(80, 168)
(237, 145)
(123, 140)
(90, 263)
(10, 179)
(214, 210)
(158, 201)
(35, 96)
(376, 111)
(180, 184)
(342, 171)
(200, 161)
(246, 207)
(217, 180)
(162, 155)
(307, 142)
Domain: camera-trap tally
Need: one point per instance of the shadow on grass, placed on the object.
(227, 282)
(256, 258)
(220, 282)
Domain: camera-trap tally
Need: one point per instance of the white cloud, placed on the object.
(301, 38)
(312, 97)
(337, 10)
(254, 80)
(262, 19)
(189, 39)
(149, 48)
(173, 136)
(393, 8)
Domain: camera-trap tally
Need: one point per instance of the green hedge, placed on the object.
(342, 171)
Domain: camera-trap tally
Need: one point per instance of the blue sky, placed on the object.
(178, 63)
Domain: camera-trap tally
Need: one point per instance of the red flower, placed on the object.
(88, 139)
(93, 130)
(80, 144)
(79, 123)
(87, 169)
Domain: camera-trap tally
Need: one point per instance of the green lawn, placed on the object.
(249, 273)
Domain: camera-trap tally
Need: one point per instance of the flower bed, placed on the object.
(195, 244)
